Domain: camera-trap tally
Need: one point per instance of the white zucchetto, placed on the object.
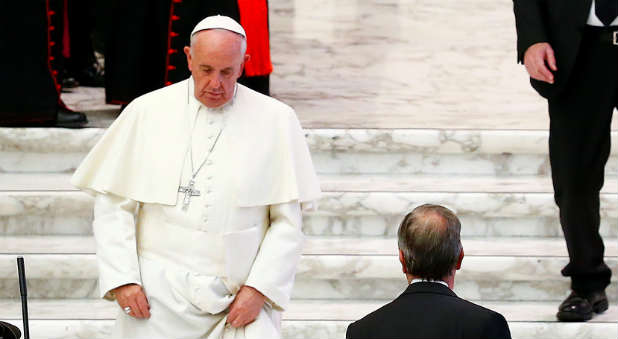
(219, 22)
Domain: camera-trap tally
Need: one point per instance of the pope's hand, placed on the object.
(245, 307)
(133, 296)
(535, 60)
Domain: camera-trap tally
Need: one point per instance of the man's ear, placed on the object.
(187, 51)
(403, 262)
(461, 256)
(244, 61)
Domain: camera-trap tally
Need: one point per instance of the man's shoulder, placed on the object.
(378, 315)
(165, 95)
(264, 103)
(411, 310)
(477, 309)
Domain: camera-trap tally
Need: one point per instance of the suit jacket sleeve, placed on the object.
(497, 328)
(114, 232)
(530, 22)
(275, 265)
(351, 332)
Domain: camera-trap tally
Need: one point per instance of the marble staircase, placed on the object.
(403, 103)
(514, 250)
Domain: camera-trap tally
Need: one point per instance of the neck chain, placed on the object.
(193, 171)
(190, 190)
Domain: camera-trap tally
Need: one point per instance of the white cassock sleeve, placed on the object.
(274, 267)
(114, 233)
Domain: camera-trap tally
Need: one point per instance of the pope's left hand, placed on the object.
(245, 307)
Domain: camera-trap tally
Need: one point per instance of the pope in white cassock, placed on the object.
(199, 188)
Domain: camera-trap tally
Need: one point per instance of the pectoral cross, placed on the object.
(189, 192)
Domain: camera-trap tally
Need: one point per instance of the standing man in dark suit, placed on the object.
(430, 253)
(570, 50)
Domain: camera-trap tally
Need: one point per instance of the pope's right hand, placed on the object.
(133, 296)
(537, 58)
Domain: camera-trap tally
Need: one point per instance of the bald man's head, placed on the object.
(430, 241)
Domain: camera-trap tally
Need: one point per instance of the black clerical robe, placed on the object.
(144, 43)
(32, 54)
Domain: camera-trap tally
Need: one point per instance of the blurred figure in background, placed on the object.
(144, 41)
(34, 48)
(81, 66)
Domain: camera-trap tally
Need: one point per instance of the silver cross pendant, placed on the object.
(189, 192)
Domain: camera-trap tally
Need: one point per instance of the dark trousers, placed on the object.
(579, 146)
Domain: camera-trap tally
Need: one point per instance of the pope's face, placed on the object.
(216, 62)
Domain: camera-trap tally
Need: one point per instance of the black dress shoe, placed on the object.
(70, 119)
(578, 307)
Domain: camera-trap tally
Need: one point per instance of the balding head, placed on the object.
(429, 240)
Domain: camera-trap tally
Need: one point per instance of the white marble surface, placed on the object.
(473, 226)
(403, 151)
(392, 63)
(438, 140)
(60, 182)
(487, 246)
(52, 288)
(365, 289)
(490, 268)
(430, 164)
(45, 203)
(328, 266)
(445, 183)
(293, 329)
(332, 289)
(298, 310)
(48, 140)
(68, 329)
(366, 225)
(338, 213)
(476, 204)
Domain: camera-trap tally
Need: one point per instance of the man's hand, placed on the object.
(132, 295)
(245, 307)
(535, 58)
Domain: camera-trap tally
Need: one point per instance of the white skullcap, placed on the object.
(221, 22)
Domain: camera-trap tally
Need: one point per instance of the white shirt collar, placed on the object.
(414, 281)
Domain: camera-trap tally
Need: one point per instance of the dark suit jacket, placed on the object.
(559, 22)
(430, 310)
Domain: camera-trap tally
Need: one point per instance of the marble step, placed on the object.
(334, 289)
(484, 247)
(334, 151)
(469, 183)
(91, 101)
(311, 329)
(303, 319)
(361, 205)
(494, 269)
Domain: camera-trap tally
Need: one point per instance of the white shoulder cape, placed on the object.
(142, 153)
